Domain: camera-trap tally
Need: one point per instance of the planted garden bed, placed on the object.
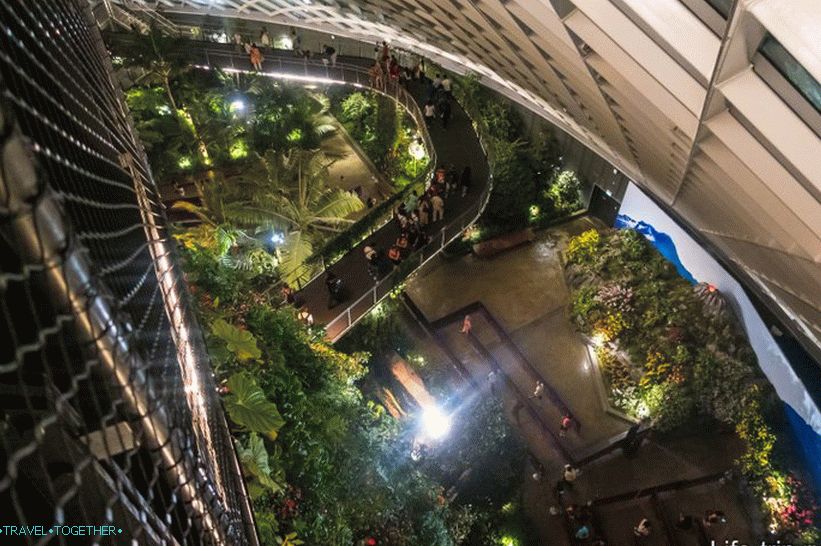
(673, 352)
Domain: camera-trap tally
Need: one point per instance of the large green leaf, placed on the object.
(255, 461)
(240, 342)
(247, 406)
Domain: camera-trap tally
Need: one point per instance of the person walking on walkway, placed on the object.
(412, 201)
(642, 530)
(373, 258)
(306, 316)
(713, 517)
(438, 207)
(395, 256)
(464, 180)
(394, 70)
(296, 42)
(288, 294)
(564, 424)
(444, 112)
(256, 57)
(377, 75)
(447, 85)
(334, 286)
(430, 112)
(424, 210)
(330, 54)
(538, 390)
(583, 532)
(569, 475)
(264, 39)
(467, 326)
(385, 53)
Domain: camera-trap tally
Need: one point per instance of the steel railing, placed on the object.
(109, 409)
(384, 286)
(283, 65)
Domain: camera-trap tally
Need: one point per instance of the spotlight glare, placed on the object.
(436, 424)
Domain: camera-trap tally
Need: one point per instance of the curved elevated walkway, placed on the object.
(458, 145)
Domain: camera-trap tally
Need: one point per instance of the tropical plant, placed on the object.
(256, 462)
(287, 193)
(248, 407)
(690, 360)
(565, 191)
(290, 540)
(293, 197)
(241, 343)
(583, 249)
(159, 58)
(514, 186)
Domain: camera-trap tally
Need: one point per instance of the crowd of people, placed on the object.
(414, 215)
(255, 48)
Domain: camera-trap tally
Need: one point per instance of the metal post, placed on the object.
(348, 310)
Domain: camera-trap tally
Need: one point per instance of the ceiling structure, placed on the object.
(711, 106)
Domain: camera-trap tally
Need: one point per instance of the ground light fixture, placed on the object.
(435, 423)
(416, 150)
(237, 106)
(277, 238)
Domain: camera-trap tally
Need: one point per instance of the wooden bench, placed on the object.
(492, 247)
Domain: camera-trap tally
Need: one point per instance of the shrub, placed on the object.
(694, 360)
(514, 187)
(585, 304)
(616, 370)
(583, 249)
(671, 405)
(565, 189)
(722, 385)
(617, 296)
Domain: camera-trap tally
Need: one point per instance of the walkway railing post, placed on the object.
(349, 317)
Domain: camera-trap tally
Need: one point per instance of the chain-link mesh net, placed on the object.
(108, 412)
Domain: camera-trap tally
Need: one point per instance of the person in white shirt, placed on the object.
(437, 81)
(264, 39)
(430, 112)
(537, 392)
(643, 529)
(570, 474)
(447, 84)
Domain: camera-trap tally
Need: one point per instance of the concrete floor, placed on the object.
(349, 170)
(524, 290)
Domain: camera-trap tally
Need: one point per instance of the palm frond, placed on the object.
(249, 216)
(336, 205)
(202, 213)
(294, 254)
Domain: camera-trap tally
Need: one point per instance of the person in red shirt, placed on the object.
(395, 255)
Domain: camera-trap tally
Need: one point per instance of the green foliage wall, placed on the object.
(323, 464)
(529, 187)
(683, 360)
